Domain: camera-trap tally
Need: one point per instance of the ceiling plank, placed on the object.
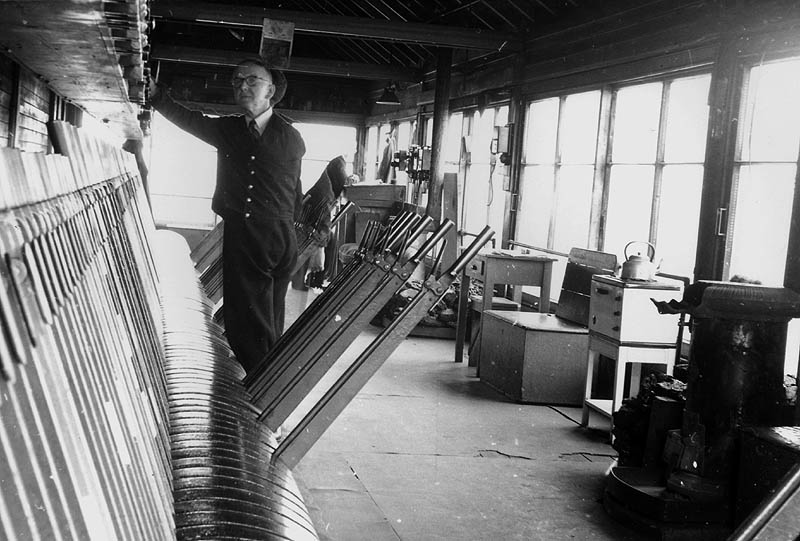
(334, 25)
(315, 66)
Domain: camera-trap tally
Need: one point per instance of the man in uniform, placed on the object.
(257, 194)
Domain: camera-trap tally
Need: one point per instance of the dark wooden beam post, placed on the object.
(441, 110)
(516, 119)
(717, 178)
(791, 277)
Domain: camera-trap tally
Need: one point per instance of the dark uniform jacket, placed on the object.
(258, 179)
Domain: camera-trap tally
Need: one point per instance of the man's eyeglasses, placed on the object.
(236, 82)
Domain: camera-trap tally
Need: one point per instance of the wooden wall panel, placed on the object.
(6, 85)
(28, 114)
(5, 102)
(34, 112)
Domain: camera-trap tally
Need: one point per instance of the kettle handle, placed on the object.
(651, 250)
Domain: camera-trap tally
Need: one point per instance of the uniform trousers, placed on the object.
(257, 258)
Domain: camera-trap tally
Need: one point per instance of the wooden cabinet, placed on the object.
(374, 202)
(533, 357)
(625, 326)
(623, 311)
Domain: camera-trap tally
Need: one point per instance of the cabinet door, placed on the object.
(604, 310)
(641, 322)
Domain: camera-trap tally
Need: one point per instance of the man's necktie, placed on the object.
(254, 129)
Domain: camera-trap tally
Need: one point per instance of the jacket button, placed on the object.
(249, 186)
(246, 214)
(252, 157)
(252, 172)
(248, 200)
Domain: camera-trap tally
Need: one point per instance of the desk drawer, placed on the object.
(476, 268)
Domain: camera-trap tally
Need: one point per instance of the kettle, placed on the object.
(639, 267)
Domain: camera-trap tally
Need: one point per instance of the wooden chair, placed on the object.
(541, 358)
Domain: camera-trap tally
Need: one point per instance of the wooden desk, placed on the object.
(507, 267)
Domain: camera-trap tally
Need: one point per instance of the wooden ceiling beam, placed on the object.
(335, 25)
(334, 68)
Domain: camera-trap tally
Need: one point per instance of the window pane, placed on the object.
(482, 133)
(540, 144)
(323, 143)
(678, 218)
(497, 204)
(501, 117)
(181, 165)
(761, 222)
(428, 131)
(536, 205)
(403, 135)
(772, 113)
(452, 141)
(636, 117)
(573, 207)
(477, 197)
(371, 154)
(579, 128)
(792, 347)
(687, 120)
(629, 207)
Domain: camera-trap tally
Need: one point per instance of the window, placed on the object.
(652, 170)
(658, 135)
(428, 131)
(765, 171)
(404, 140)
(323, 143)
(371, 154)
(558, 172)
(481, 197)
(451, 146)
(377, 142)
(764, 181)
(605, 167)
(182, 188)
(182, 174)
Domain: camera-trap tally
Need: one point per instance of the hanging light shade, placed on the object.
(389, 97)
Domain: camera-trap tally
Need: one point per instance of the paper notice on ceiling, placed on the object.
(276, 43)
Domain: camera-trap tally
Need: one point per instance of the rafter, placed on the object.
(353, 70)
(317, 23)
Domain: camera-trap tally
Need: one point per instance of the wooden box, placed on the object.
(534, 357)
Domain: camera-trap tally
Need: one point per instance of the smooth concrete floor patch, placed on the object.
(427, 452)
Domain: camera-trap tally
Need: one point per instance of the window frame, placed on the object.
(744, 68)
(603, 155)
